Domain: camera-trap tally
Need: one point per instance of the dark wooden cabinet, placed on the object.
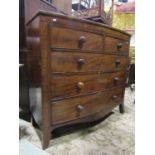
(23, 71)
(77, 70)
(27, 8)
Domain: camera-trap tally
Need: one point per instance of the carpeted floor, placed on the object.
(113, 136)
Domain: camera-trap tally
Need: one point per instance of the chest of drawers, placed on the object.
(77, 70)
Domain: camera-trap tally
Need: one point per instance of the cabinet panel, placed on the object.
(70, 109)
(83, 62)
(75, 85)
(63, 38)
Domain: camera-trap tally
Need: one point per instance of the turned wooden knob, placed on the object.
(82, 40)
(116, 79)
(114, 97)
(81, 62)
(119, 45)
(80, 85)
(80, 107)
(117, 62)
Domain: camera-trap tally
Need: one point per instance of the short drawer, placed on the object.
(113, 45)
(71, 109)
(83, 62)
(62, 38)
(75, 85)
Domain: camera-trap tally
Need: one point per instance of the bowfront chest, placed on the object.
(77, 70)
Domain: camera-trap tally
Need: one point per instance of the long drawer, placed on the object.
(74, 85)
(113, 45)
(71, 109)
(83, 62)
(64, 38)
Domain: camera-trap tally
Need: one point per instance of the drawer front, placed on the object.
(83, 62)
(113, 45)
(63, 38)
(74, 85)
(70, 109)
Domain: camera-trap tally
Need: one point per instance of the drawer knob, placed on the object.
(116, 79)
(117, 62)
(81, 62)
(114, 97)
(82, 40)
(119, 45)
(80, 85)
(79, 108)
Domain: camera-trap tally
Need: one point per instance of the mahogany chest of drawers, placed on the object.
(77, 70)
